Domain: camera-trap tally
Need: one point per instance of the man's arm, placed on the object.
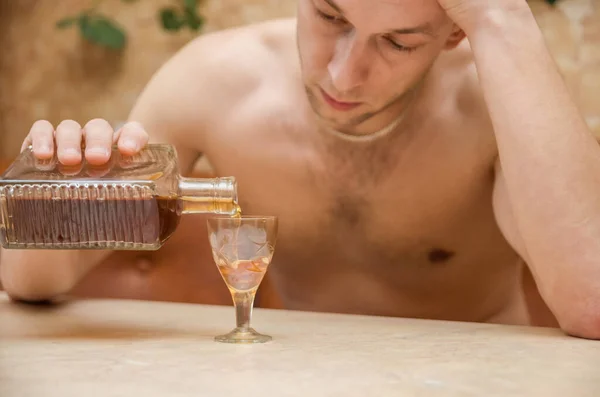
(547, 195)
(179, 103)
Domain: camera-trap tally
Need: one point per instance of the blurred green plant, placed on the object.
(101, 30)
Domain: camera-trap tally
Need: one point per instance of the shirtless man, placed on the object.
(415, 173)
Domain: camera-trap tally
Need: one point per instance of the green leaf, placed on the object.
(102, 31)
(190, 4)
(193, 20)
(66, 22)
(170, 20)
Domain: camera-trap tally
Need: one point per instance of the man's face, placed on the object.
(359, 57)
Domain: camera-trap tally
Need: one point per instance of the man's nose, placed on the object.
(349, 66)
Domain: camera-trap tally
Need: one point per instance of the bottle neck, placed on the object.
(209, 195)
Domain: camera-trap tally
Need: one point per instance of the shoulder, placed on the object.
(237, 57)
(213, 73)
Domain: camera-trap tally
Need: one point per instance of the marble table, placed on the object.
(126, 348)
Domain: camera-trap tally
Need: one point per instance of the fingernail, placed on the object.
(98, 151)
(70, 152)
(43, 149)
(130, 144)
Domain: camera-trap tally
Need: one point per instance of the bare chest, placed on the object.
(363, 226)
(395, 193)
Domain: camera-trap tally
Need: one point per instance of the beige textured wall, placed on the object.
(572, 33)
(51, 74)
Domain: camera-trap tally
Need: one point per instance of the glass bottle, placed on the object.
(130, 203)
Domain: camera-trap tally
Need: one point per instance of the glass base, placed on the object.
(239, 335)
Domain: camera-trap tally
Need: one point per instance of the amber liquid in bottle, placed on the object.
(109, 223)
(77, 221)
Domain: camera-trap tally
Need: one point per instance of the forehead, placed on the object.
(391, 14)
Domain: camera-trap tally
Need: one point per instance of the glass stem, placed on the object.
(243, 301)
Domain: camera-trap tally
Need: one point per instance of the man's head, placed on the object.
(360, 57)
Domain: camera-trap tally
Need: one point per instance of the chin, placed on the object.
(334, 119)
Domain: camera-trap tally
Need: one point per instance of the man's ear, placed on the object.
(455, 38)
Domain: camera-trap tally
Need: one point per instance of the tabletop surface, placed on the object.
(121, 348)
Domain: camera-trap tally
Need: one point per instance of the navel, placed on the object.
(439, 255)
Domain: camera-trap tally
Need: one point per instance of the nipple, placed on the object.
(438, 255)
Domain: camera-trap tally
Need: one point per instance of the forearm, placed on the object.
(549, 158)
(36, 275)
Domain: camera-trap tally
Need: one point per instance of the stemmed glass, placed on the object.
(242, 248)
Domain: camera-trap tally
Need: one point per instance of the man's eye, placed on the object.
(399, 47)
(330, 18)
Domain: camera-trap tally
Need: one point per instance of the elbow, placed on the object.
(25, 283)
(33, 292)
(581, 321)
(575, 302)
(32, 295)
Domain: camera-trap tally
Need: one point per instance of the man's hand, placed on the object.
(468, 14)
(67, 138)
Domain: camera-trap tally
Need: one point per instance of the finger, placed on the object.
(132, 138)
(68, 142)
(98, 141)
(117, 133)
(41, 139)
(26, 142)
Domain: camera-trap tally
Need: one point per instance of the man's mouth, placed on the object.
(338, 105)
